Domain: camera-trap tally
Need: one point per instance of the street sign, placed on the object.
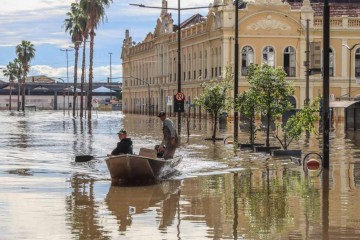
(179, 104)
(169, 100)
(180, 96)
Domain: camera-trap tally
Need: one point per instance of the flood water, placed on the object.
(216, 193)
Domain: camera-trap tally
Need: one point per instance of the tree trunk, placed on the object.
(75, 76)
(18, 97)
(10, 97)
(268, 119)
(215, 119)
(82, 81)
(252, 133)
(92, 35)
(23, 95)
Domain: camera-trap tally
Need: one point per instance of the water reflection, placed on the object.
(215, 195)
(124, 202)
(82, 209)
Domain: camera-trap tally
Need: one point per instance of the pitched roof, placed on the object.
(194, 19)
(338, 8)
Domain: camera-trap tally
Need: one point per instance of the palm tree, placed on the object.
(13, 70)
(85, 35)
(74, 24)
(95, 10)
(25, 51)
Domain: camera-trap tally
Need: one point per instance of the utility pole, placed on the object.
(326, 85)
(179, 65)
(67, 75)
(236, 72)
(110, 78)
(307, 64)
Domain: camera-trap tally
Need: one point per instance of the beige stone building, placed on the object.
(270, 31)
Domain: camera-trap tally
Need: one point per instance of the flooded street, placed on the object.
(215, 193)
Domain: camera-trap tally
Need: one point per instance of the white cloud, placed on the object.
(41, 22)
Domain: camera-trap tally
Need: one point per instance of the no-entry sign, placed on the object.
(180, 96)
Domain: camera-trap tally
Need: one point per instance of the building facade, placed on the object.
(270, 31)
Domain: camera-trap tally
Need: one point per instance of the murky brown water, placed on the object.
(215, 194)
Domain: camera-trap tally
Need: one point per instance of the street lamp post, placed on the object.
(67, 72)
(178, 9)
(326, 86)
(236, 72)
(110, 77)
(350, 59)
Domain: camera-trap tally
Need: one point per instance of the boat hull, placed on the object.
(135, 168)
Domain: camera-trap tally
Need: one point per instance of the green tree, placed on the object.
(304, 120)
(13, 71)
(215, 98)
(74, 24)
(272, 92)
(95, 10)
(247, 104)
(25, 52)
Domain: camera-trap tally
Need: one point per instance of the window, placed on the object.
(331, 63)
(290, 61)
(357, 63)
(269, 56)
(247, 58)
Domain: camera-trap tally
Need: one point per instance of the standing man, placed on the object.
(124, 146)
(170, 140)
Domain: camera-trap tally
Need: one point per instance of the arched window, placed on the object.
(212, 62)
(247, 58)
(290, 61)
(189, 67)
(215, 62)
(184, 72)
(205, 65)
(269, 56)
(200, 65)
(357, 63)
(219, 64)
(194, 65)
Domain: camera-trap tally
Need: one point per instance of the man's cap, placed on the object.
(162, 113)
(122, 131)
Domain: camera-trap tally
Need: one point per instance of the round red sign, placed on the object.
(180, 96)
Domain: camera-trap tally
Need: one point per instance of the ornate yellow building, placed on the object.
(270, 31)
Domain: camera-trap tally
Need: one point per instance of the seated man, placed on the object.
(124, 146)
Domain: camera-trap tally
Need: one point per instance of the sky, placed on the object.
(41, 22)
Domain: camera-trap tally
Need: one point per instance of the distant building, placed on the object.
(270, 31)
(49, 94)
